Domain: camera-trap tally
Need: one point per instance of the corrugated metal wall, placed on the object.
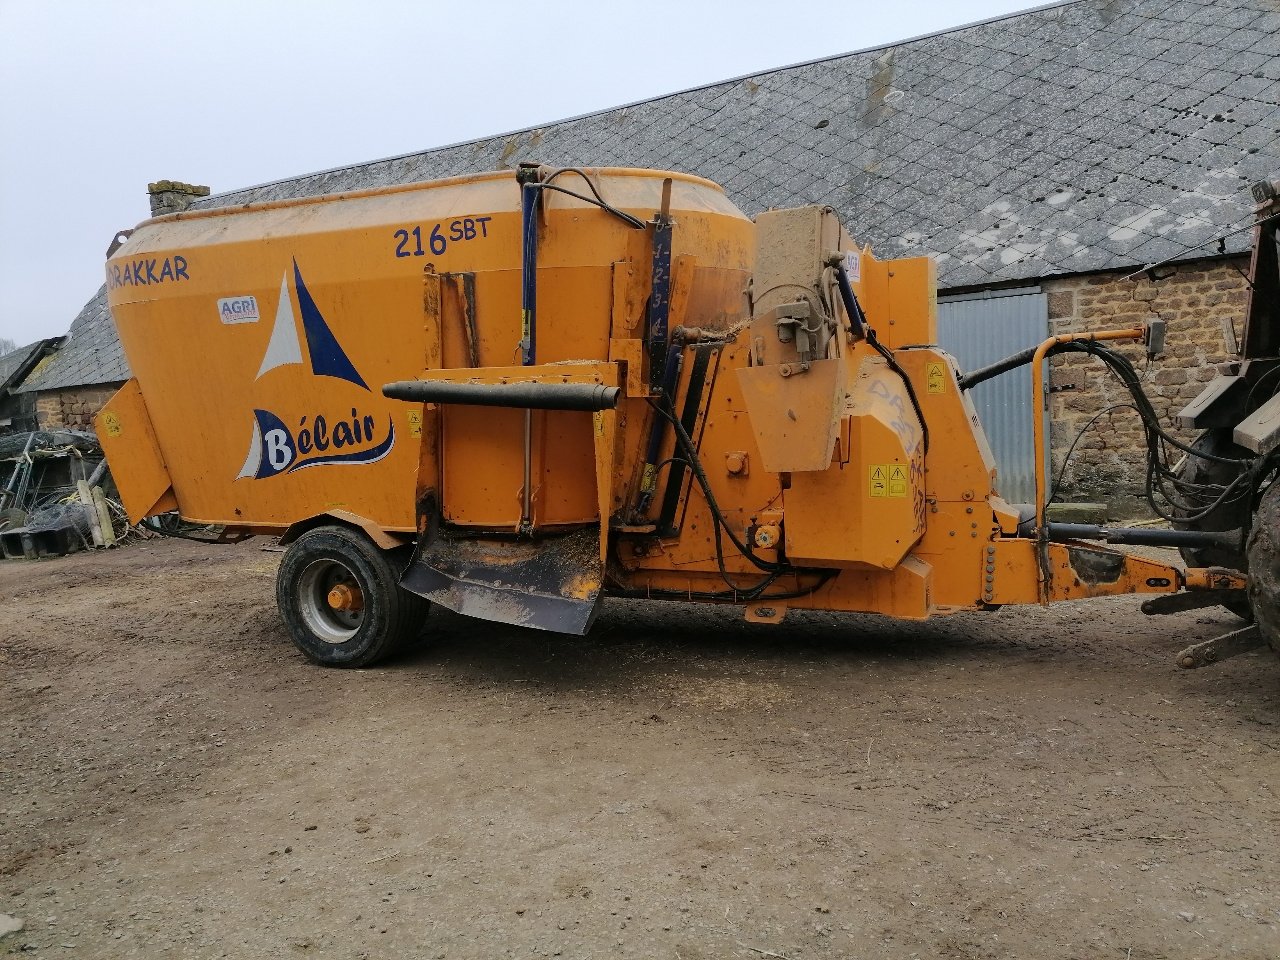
(981, 330)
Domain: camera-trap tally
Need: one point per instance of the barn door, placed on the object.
(978, 329)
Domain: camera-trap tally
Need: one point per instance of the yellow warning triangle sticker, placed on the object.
(897, 473)
(877, 473)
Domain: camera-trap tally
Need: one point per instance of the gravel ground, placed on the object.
(175, 781)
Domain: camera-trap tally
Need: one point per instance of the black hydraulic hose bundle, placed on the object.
(1158, 472)
(772, 570)
(906, 382)
(688, 449)
(1011, 362)
(859, 327)
(852, 308)
(862, 327)
(595, 199)
(1253, 470)
(685, 442)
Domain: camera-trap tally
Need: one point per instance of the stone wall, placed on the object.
(73, 408)
(1195, 301)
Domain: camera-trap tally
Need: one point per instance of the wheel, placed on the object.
(1264, 566)
(340, 598)
(1230, 516)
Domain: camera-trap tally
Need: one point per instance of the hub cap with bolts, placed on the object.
(331, 601)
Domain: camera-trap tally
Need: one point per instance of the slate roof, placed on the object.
(91, 353)
(1068, 139)
(13, 363)
(1088, 135)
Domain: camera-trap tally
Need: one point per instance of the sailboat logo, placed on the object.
(318, 439)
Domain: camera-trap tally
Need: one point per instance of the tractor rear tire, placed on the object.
(1264, 566)
(381, 618)
(1231, 516)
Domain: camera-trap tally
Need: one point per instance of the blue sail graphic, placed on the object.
(327, 356)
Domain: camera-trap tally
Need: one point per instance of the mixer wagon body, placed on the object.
(514, 393)
(259, 338)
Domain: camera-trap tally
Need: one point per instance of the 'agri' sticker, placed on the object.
(238, 310)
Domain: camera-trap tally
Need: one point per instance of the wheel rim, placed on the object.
(315, 588)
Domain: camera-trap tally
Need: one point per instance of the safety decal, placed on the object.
(879, 484)
(887, 480)
(936, 378)
(897, 480)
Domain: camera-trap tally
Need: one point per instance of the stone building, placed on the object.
(1055, 154)
(72, 386)
(18, 410)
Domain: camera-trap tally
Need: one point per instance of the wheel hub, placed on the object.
(346, 596)
(330, 600)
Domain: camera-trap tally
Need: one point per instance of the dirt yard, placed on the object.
(175, 781)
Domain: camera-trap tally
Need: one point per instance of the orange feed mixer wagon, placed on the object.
(514, 393)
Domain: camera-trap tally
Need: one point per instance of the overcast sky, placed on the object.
(99, 97)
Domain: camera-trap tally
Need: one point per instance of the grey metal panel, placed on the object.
(979, 332)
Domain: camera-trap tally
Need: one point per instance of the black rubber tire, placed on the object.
(1233, 516)
(1264, 566)
(390, 618)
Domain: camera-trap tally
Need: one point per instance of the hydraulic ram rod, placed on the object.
(527, 396)
(1226, 539)
(528, 177)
